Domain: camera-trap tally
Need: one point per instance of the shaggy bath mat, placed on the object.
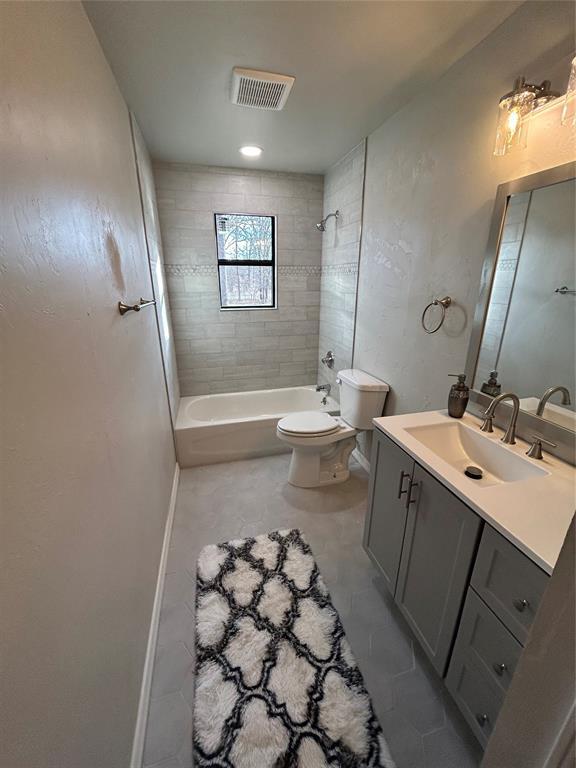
(277, 685)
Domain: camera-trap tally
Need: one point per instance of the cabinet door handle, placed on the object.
(412, 484)
(401, 490)
(521, 605)
(482, 720)
(499, 669)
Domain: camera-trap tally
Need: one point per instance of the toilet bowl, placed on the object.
(321, 444)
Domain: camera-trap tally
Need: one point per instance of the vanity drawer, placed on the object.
(477, 697)
(508, 582)
(483, 637)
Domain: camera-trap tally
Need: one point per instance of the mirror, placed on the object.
(527, 332)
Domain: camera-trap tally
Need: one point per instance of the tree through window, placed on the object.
(246, 260)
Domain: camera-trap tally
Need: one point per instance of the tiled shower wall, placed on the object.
(240, 350)
(343, 188)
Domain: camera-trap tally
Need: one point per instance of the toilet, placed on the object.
(321, 444)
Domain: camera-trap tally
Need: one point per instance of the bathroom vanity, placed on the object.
(466, 560)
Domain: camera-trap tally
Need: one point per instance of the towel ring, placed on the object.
(443, 304)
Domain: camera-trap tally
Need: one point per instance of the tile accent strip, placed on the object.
(307, 270)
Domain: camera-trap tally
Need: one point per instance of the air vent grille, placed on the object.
(260, 90)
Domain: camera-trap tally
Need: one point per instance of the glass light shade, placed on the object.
(512, 110)
(569, 110)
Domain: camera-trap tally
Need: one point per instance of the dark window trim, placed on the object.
(270, 263)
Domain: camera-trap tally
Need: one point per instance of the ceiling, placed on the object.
(355, 64)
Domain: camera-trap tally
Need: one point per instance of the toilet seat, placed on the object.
(308, 424)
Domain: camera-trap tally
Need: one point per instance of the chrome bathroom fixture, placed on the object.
(123, 308)
(328, 359)
(510, 435)
(548, 394)
(324, 388)
(321, 226)
(443, 304)
(535, 450)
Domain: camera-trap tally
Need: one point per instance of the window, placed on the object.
(246, 246)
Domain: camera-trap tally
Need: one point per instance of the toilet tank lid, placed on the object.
(362, 380)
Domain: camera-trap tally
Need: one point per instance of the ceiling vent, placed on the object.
(260, 90)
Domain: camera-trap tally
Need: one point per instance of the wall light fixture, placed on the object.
(514, 107)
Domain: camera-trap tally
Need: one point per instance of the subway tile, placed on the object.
(245, 185)
(307, 297)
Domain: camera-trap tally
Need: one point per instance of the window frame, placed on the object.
(273, 263)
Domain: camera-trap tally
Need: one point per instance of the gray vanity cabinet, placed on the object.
(439, 545)
(423, 540)
(390, 480)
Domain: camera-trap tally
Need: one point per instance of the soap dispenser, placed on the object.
(458, 397)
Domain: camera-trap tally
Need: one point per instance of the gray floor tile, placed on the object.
(172, 664)
(221, 502)
(168, 724)
(419, 700)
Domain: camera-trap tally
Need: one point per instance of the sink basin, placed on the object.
(461, 446)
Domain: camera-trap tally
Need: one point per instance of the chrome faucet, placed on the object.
(548, 394)
(324, 388)
(510, 434)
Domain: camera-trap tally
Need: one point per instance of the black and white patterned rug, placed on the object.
(277, 685)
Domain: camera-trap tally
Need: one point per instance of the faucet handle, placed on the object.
(487, 425)
(535, 450)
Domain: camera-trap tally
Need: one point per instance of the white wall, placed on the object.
(235, 350)
(343, 186)
(431, 179)
(87, 456)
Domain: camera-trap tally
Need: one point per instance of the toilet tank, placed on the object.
(362, 397)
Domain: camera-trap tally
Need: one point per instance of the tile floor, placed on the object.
(225, 501)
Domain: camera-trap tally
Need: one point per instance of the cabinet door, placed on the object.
(439, 545)
(390, 476)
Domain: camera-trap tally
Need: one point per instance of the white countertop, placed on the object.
(534, 514)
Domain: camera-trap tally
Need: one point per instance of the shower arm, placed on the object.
(322, 225)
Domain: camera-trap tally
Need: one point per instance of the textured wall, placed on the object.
(239, 350)
(431, 179)
(343, 185)
(87, 455)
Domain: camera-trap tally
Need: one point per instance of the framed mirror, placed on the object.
(524, 334)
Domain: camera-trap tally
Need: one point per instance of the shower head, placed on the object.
(321, 226)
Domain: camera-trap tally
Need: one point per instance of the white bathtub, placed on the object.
(241, 425)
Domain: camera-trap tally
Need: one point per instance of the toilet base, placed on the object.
(310, 468)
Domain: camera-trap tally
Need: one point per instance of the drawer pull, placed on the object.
(499, 669)
(521, 605)
(401, 490)
(411, 485)
(482, 720)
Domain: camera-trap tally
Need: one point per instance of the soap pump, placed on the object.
(458, 397)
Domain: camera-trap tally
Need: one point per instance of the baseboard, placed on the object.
(142, 716)
(362, 460)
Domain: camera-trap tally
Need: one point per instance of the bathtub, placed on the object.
(241, 425)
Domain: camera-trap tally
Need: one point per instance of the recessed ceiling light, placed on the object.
(251, 150)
